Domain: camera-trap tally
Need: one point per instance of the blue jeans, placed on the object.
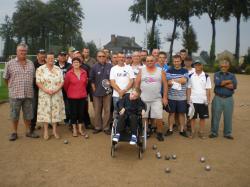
(115, 100)
(222, 105)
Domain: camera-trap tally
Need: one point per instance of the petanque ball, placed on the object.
(167, 157)
(202, 159)
(207, 167)
(65, 141)
(174, 156)
(167, 170)
(158, 155)
(154, 147)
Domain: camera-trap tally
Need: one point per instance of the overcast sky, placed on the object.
(103, 18)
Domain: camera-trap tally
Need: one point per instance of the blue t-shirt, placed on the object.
(173, 94)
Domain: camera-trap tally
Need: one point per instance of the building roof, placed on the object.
(122, 42)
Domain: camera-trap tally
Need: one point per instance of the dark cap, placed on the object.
(197, 62)
(62, 53)
(41, 51)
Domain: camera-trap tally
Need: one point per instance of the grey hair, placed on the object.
(24, 45)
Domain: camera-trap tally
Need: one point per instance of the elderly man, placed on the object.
(225, 84)
(99, 77)
(87, 59)
(19, 75)
(150, 80)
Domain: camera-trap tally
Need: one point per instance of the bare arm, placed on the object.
(188, 95)
(208, 92)
(93, 87)
(165, 88)
(138, 80)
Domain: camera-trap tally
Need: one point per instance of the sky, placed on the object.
(103, 18)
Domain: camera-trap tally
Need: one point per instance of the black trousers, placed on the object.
(34, 105)
(66, 104)
(132, 119)
(77, 109)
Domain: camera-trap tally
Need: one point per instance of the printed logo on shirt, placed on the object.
(150, 80)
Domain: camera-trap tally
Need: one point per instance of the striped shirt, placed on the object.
(174, 94)
(20, 78)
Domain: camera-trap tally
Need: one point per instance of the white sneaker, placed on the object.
(133, 140)
(116, 138)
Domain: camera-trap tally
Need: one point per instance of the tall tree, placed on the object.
(189, 8)
(138, 9)
(170, 10)
(239, 9)
(67, 19)
(6, 32)
(190, 41)
(215, 10)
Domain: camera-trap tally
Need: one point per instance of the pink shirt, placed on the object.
(74, 86)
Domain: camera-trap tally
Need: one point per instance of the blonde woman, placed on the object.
(49, 80)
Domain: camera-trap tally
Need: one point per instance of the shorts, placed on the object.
(27, 107)
(155, 108)
(201, 110)
(176, 106)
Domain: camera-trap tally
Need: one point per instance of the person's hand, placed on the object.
(165, 101)
(122, 111)
(143, 112)
(121, 93)
(230, 86)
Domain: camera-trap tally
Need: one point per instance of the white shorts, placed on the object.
(155, 108)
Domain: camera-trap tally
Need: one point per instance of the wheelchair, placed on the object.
(126, 135)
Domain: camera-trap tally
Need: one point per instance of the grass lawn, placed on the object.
(3, 88)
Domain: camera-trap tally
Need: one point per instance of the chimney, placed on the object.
(113, 39)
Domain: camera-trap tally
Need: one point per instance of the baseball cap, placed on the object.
(41, 51)
(197, 62)
(62, 53)
(72, 49)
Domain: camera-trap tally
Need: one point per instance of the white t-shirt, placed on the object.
(198, 85)
(191, 71)
(136, 69)
(122, 76)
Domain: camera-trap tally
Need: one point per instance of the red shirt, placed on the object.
(76, 87)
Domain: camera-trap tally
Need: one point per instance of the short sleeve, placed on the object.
(6, 73)
(208, 83)
(112, 73)
(39, 75)
(131, 73)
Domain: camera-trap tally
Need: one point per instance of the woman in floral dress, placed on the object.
(51, 110)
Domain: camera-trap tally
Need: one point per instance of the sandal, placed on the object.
(56, 136)
(85, 135)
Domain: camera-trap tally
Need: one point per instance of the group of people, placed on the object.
(119, 86)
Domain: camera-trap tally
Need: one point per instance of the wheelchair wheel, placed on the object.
(140, 151)
(144, 140)
(113, 130)
(113, 150)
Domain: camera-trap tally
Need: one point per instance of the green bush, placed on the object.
(247, 70)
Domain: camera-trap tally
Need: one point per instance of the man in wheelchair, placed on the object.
(130, 108)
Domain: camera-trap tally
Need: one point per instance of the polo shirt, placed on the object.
(199, 84)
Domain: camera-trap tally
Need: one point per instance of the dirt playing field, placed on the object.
(35, 162)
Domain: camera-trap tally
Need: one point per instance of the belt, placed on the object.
(222, 96)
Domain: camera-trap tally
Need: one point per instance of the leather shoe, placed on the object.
(230, 137)
(96, 131)
(107, 132)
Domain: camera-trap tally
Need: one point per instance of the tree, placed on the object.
(66, 19)
(138, 9)
(169, 10)
(190, 41)
(6, 32)
(92, 48)
(28, 21)
(238, 8)
(215, 10)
